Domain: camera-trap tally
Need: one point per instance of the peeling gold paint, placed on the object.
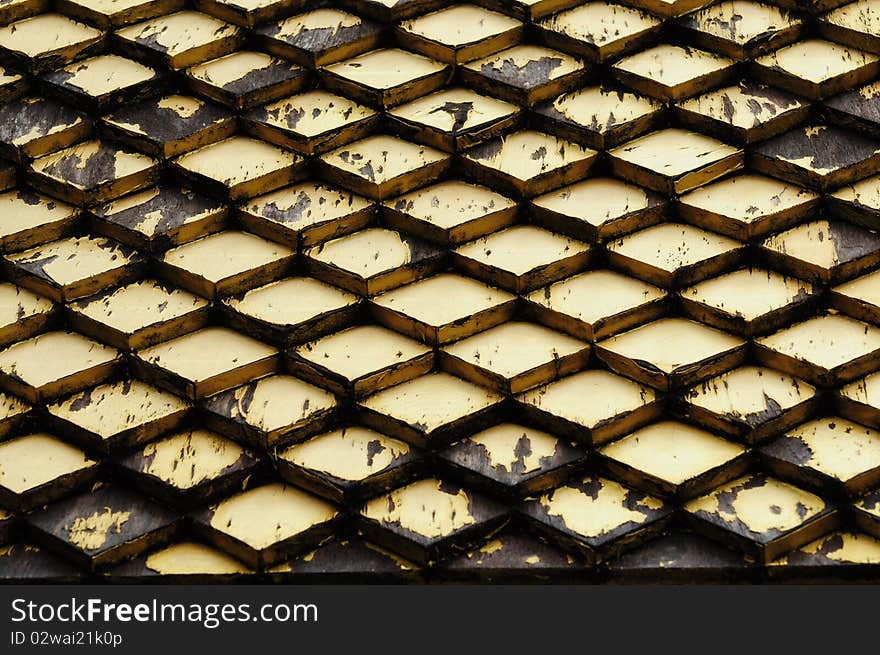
(91, 532)
(459, 25)
(386, 69)
(44, 34)
(52, 356)
(106, 74)
(817, 60)
(526, 154)
(37, 459)
(503, 443)
(190, 558)
(353, 453)
(837, 447)
(423, 507)
(748, 391)
(187, 459)
(749, 293)
(827, 341)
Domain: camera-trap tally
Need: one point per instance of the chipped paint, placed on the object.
(91, 532)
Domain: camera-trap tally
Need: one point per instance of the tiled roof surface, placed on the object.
(373, 290)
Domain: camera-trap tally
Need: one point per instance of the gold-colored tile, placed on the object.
(55, 363)
(392, 11)
(828, 455)
(117, 13)
(617, 406)
(743, 113)
(205, 362)
(761, 516)
(241, 167)
(30, 219)
(598, 209)
(225, 263)
(47, 40)
(271, 410)
(118, 415)
(674, 161)
(673, 459)
(170, 125)
(386, 77)
(13, 411)
(383, 166)
(453, 119)
(413, 309)
(12, 84)
(599, 117)
(431, 409)
(265, 525)
(821, 157)
(859, 401)
(75, 267)
(596, 304)
(795, 68)
(528, 163)
(250, 13)
(348, 464)
(450, 213)
(858, 202)
(39, 468)
(749, 301)
(92, 172)
(668, 8)
(522, 258)
(181, 39)
(139, 315)
(823, 251)
(596, 517)
(306, 214)
(525, 74)
(671, 72)
(267, 313)
(183, 561)
(430, 519)
(23, 313)
(245, 79)
(319, 37)
(742, 29)
(33, 126)
(674, 254)
(100, 83)
(312, 123)
(512, 460)
(750, 403)
(747, 206)
(373, 260)
(856, 24)
(159, 217)
(859, 298)
(825, 350)
(598, 31)
(459, 34)
(837, 556)
(691, 352)
(360, 360)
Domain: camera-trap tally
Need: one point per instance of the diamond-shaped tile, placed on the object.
(349, 560)
(117, 13)
(117, 415)
(205, 362)
(860, 400)
(515, 356)
(691, 352)
(181, 39)
(596, 517)
(245, 79)
(31, 219)
(187, 562)
(856, 24)
(430, 409)
(249, 14)
(599, 117)
(821, 157)
(829, 455)
(47, 41)
(102, 527)
(267, 313)
(597, 209)
(23, 314)
(311, 123)
(511, 460)
(53, 364)
(750, 403)
(265, 525)
(386, 77)
(528, 163)
(598, 31)
(349, 464)
(698, 160)
(859, 298)
(836, 557)
(430, 519)
(695, 71)
(749, 301)
(747, 206)
(858, 202)
(75, 267)
(33, 126)
(522, 258)
(816, 68)
(674, 254)
(413, 309)
(270, 410)
(617, 406)
(761, 516)
(170, 125)
(39, 468)
(459, 33)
